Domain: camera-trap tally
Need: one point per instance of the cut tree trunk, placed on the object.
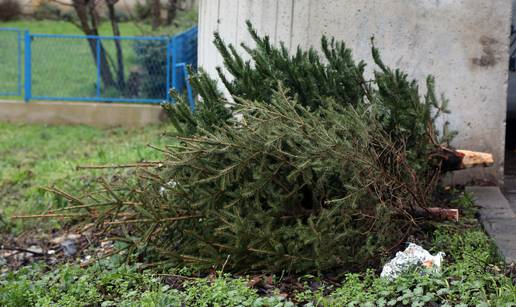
(475, 158)
(442, 214)
(459, 159)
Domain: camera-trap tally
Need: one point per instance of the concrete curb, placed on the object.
(86, 113)
(498, 218)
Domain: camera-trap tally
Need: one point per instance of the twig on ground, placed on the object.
(178, 276)
(23, 250)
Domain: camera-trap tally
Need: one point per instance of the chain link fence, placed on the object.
(96, 68)
(10, 62)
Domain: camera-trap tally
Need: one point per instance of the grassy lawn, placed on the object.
(66, 67)
(35, 156)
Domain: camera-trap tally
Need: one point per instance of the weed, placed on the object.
(470, 277)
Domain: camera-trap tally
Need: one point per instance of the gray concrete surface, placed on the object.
(498, 218)
(93, 114)
(463, 43)
(509, 190)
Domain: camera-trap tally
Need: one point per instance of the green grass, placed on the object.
(35, 156)
(471, 277)
(66, 67)
(120, 285)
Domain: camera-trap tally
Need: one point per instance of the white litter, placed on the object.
(413, 256)
(171, 184)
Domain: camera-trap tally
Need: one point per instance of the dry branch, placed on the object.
(171, 219)
(49, 215)
(130, 165)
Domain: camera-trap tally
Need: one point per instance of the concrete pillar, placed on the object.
(463, 43)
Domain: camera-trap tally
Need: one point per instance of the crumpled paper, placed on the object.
(412, 257)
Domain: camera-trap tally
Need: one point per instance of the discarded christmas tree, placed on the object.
(321, 170)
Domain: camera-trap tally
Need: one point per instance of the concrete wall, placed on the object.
(463, 43)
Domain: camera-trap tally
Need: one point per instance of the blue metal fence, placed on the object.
(10, 62)
(101, 68)
(184, 51)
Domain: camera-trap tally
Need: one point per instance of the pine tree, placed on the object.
(312, 80)
(322, 170)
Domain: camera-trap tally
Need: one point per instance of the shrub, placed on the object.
(324, 171)
(122, 16)
(151, 58)
(10, 10)
(70, 16)
(142, 10)
(47, 11)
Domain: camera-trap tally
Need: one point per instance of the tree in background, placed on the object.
(152, 11)
(119, 52)
(10, 10)
(156, 13)
(88, 21)
(172, 8)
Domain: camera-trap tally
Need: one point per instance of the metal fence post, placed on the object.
(173, 54)
(98, 66)
(169, 58)
(28, 68)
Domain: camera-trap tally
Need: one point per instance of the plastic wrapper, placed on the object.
(414, 256)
